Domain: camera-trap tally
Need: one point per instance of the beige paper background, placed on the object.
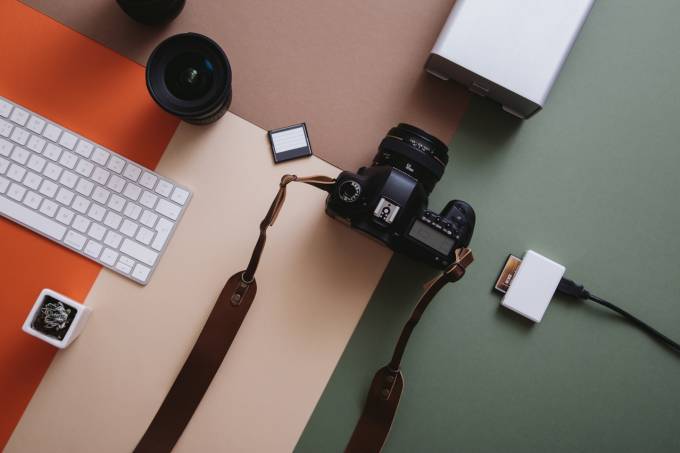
(350, 69)
(314, 281)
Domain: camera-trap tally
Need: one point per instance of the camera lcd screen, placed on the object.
(431, 237)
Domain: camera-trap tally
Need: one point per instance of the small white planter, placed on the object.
(56, 319)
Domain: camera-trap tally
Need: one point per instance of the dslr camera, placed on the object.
(388, 200)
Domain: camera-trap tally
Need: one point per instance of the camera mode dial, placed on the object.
(349, 191)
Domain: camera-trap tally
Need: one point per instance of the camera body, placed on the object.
(388, 201)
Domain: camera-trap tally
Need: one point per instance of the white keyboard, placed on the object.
(83, 196)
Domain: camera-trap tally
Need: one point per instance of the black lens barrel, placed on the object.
(415, 152)
(152, 12)
(189, 76)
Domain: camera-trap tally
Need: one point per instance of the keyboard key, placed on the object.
(49, 208)
(52, 132)
(132, 172)
(81, 223)
(65, 196)
(148, 218)
(168, 209)
(116, 203)
(123, 267)
(32, 200)
(96, 231)
(75, 240)
(109, 256)
(96, 212)
(48, 188)
(36, 124)
(36, 163)
(113, 220)
(4, 184)
(84, 168)
(116, 183)
(19, 116)
(68, 179)
(100, 156)
(5, 128)
(163, 229)
(132, 191)
(68, 160)
(31, 219)
(100, 175)
(101, 195)
(5, 108)
(144, 236)
(32, 180)
(179, 196)
(19, 136)
(16, 192)
(116, 164)
(148, 180)
(93, 249)
(113, 239)
(132, 210)
(16, 172)
(36, 144)
(84, 148)
(5, 147)
(139, 252)
(20, 155)
(148, 199)
(52, 171)
(68, 140)
(164, 188)
(64, 215)
(81, 204)
(84, 187)
(128, 228)
(141, 272)
(52, 152)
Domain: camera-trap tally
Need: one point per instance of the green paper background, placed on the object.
(592, 182)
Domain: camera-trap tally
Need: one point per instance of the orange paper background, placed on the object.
(82, 85)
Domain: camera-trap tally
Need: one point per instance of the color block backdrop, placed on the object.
(592, 182)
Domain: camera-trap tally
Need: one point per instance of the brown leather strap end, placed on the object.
(200, 367)
(379, 411)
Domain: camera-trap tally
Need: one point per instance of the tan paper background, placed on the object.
(314, 281)
(350, 69)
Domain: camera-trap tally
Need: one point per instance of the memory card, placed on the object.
(290, 142)
(507, 274)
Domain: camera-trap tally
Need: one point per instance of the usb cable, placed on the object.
(572, 289)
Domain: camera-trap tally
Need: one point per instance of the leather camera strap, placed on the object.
(383, 397)
(215, 339)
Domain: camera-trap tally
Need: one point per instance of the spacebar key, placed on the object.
(21, 214)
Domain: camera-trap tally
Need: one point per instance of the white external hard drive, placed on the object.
(510, 51)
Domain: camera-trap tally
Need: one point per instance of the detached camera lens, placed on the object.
(189, 76)
(152, 12)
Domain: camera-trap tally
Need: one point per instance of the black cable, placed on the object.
(573, 289)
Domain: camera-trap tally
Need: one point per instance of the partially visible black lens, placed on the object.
(189, 76)
(415, 152)
(152, 12)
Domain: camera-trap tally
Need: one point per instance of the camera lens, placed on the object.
(415, 152)
(152, 12)
(189, 76)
